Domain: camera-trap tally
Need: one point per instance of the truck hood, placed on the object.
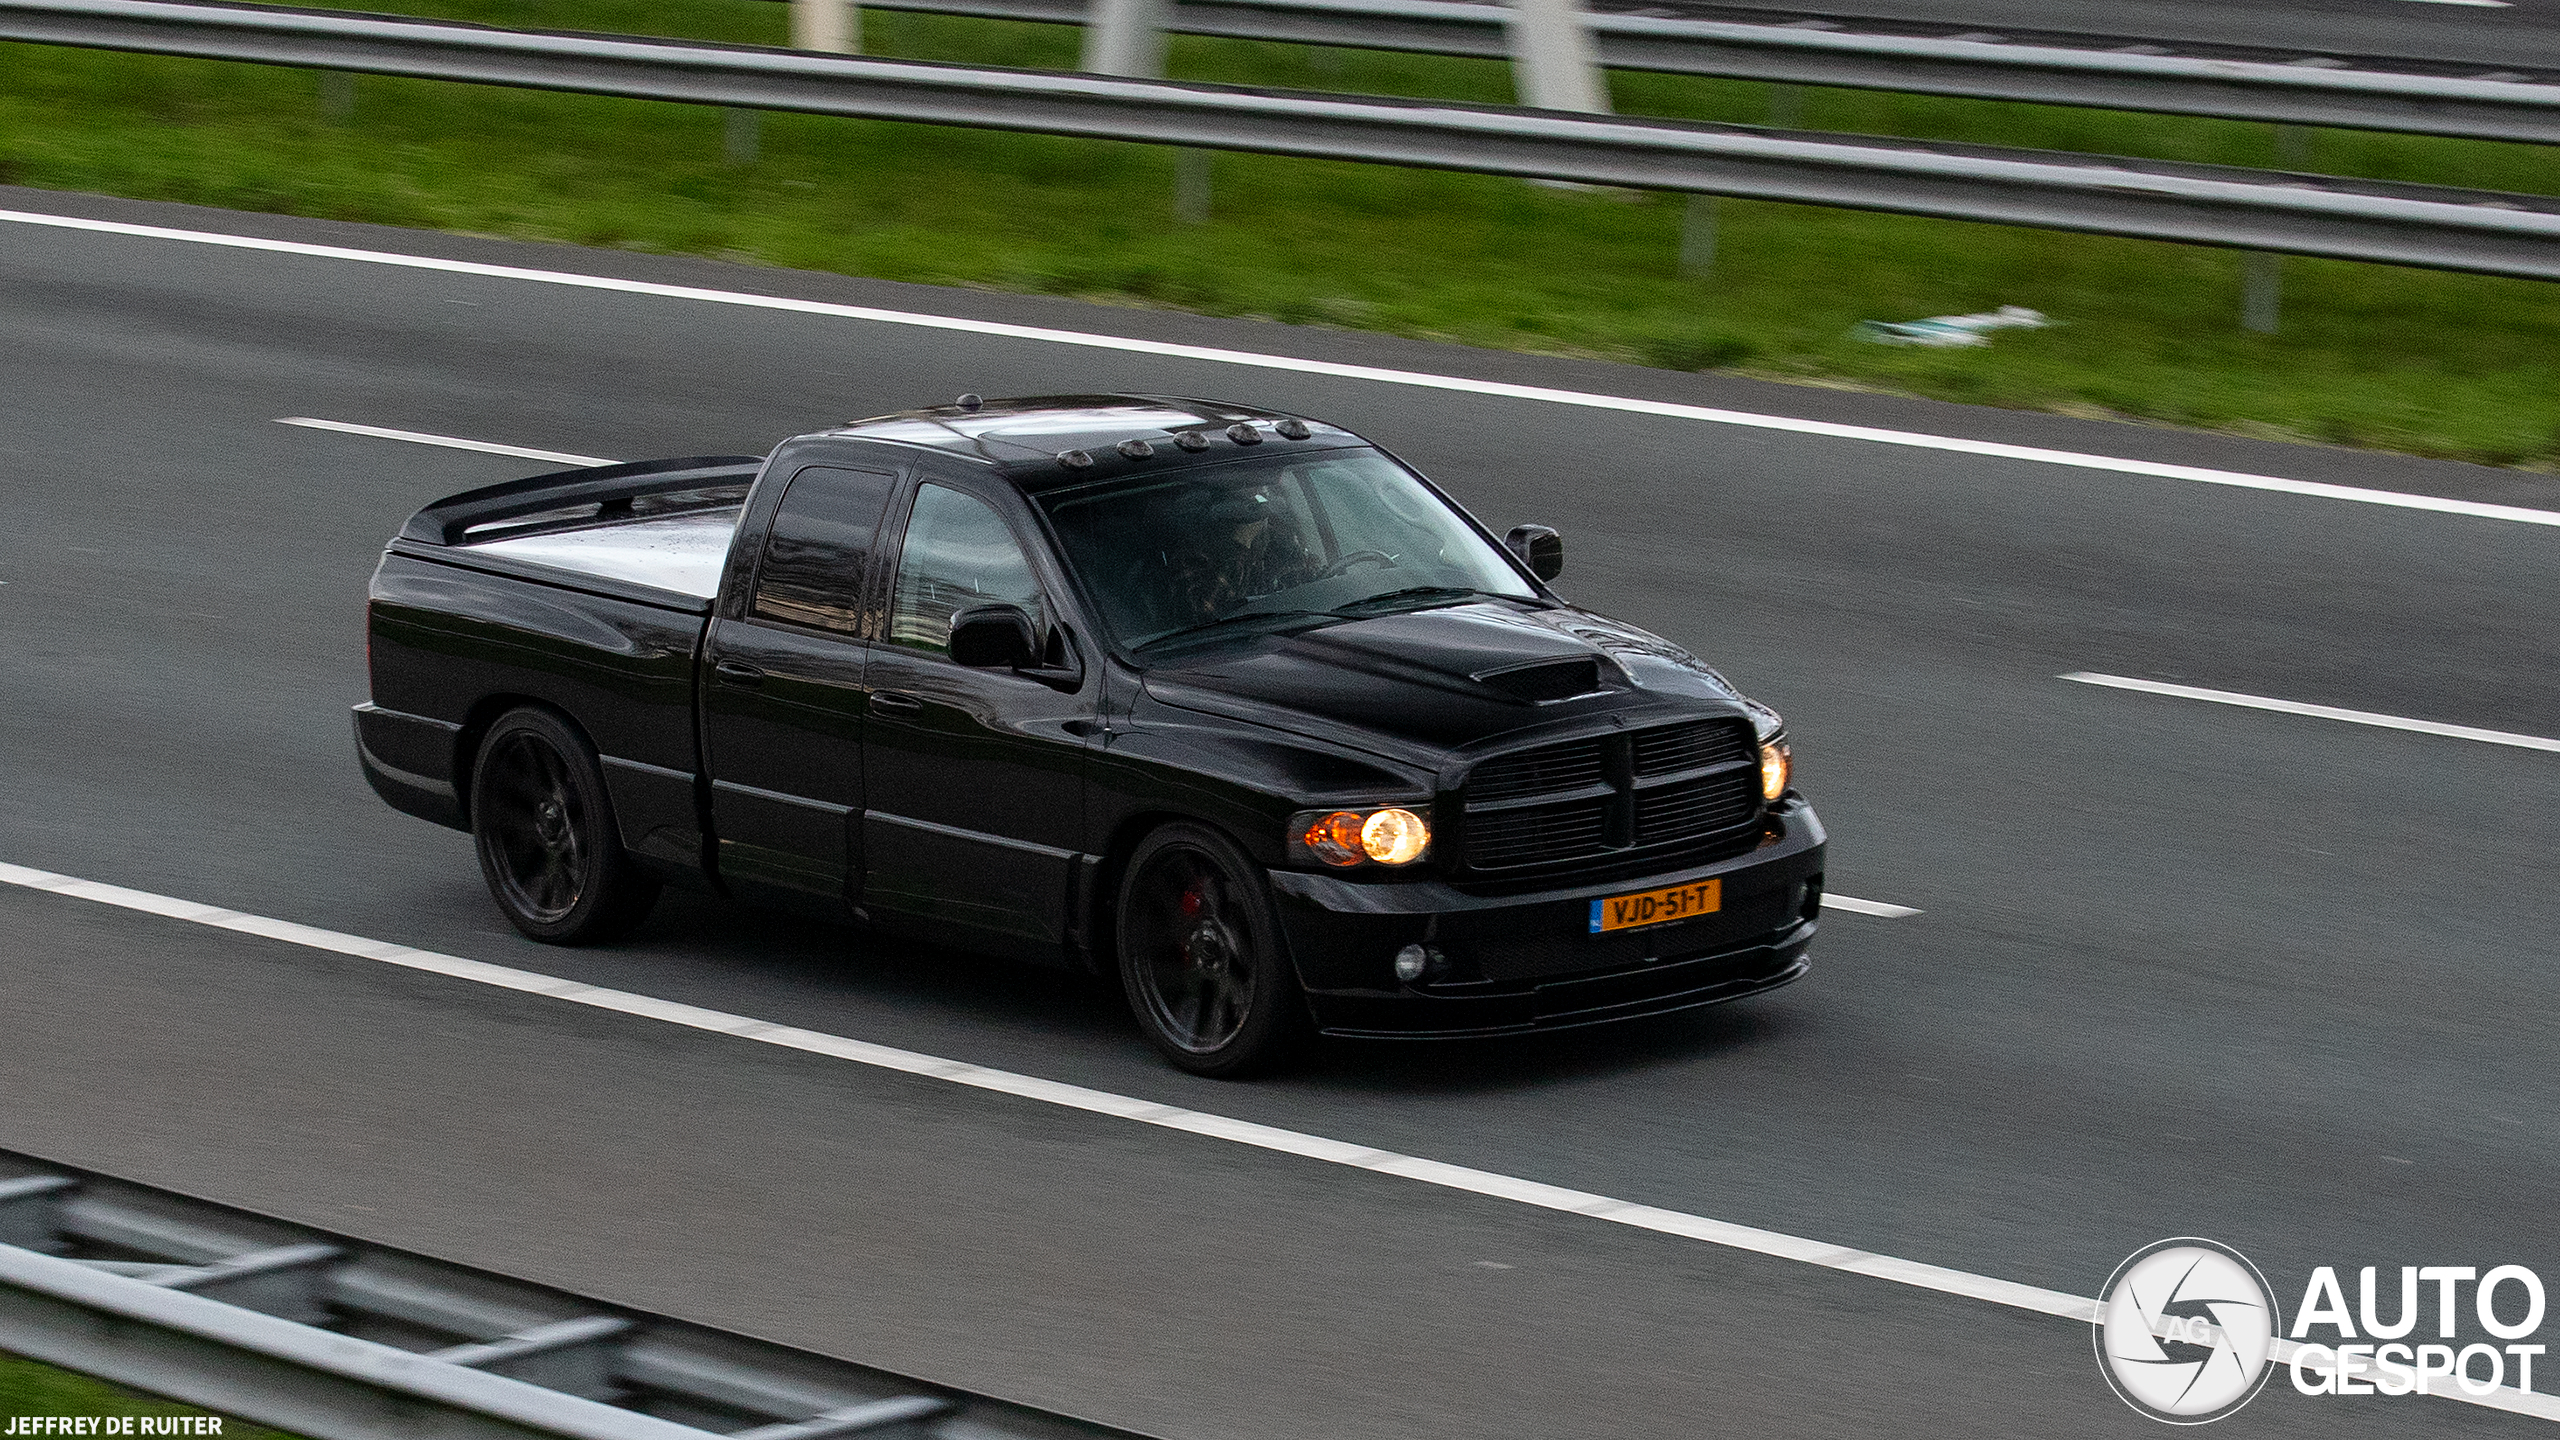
(1421, 685)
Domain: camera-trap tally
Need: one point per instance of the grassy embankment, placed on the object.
(2448, 365)
(27, 1388)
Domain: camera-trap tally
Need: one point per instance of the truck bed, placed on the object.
(657, 531)
(681, 554)
(586, 591)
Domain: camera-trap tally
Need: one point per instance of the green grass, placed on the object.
(2447, 365)
(27, 1388)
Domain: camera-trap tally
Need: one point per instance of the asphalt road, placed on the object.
(2494, 33)
(2181, 968)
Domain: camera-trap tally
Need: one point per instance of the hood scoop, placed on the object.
(1540, 681)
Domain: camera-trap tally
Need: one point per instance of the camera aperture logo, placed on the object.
(2185, 1329)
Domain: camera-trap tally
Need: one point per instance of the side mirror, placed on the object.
(993, 637)
(1539, 547)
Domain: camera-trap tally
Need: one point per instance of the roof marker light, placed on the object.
(1136, 449)
(1192, 440)
(1243, 433)
(970, 402)
(1075, 459)
(1292, 428)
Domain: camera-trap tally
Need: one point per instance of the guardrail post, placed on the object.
(741, 134)
(2261, 290)
(337, 96)
(1554, 65)
(1698, 236)
(1786, 106)
(2293, 146)
(1191, 186)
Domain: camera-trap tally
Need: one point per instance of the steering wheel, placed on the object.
(1374, 557)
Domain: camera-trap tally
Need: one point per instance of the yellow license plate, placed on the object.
(1654, 907)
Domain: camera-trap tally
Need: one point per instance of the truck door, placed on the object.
(974, 779)
(782, 706)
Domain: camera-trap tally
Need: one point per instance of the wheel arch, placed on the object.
(484, 713)
(1102, 917)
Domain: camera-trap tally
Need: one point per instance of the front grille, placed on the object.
(1504, 838)
(1579, 800)
(1696, 807)
(1691, 747)
(1542, 771)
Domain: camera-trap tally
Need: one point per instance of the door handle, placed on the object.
(737, 672)
(890, 702)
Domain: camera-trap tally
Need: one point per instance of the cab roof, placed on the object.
(1039, 441)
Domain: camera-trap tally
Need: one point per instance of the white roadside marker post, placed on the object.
(1126, 37)
(834, 26)
(831, 26)
(1554, 65)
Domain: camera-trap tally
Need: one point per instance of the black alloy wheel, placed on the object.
(1200, 955)
(546, 835)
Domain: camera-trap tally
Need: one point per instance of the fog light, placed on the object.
(1411, 961)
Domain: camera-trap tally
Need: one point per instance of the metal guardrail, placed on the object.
(2427, 226)
(2106, 72)
(336, 1339)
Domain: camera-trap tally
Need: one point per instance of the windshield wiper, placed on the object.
(1207, 626)
(1411, 592)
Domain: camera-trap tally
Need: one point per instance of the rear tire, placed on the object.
(1200, 955)
(544, 827)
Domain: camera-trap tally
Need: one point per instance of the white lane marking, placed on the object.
(1828, 429)
(1146, 1112)
(2493, 4)
(450, 442)
(1866, 907)
(2322, 712)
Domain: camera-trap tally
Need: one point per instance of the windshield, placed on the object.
(1344, 532)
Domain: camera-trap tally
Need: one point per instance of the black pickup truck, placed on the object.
(1228, 702)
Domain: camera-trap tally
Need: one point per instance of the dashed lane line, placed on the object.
(449, 442)
(2317, 712)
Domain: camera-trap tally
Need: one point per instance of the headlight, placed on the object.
(1392, 836)
(1777, 767)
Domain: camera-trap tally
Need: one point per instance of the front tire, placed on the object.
(1200, 956)
(545, 831)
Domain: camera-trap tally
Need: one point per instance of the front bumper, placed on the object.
(1513, 963)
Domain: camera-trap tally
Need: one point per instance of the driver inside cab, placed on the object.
(1245, 545)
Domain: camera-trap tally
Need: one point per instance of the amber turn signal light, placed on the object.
(1335, 838)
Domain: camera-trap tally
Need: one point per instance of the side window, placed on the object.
(958, 554)
(819, 552)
